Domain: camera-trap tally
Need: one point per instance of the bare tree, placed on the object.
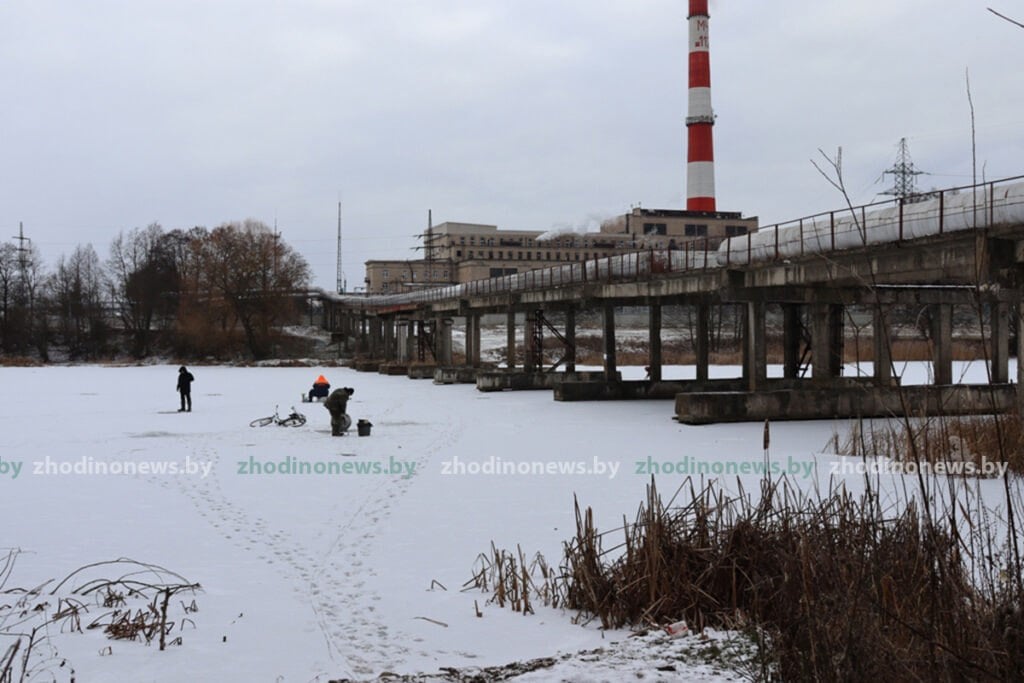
(144, 283)
(75, 295)
(22, 326)
(1003, 16)
(256, 275)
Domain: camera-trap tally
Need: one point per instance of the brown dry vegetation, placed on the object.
(833, 588)
(976, 439)
(18, 362)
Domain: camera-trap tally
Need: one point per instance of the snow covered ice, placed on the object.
(354, 565)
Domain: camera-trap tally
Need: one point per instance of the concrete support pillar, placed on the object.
(654, 358)
(364, 337)
(881, 341)
(468, 345)
(837, 338)
(410, 341)
(402, 343)
(570, 339)
(702, 338)
(390, 349)
(510, 330)
(376, 337)
(1019, 320)
(755, 353)
(791, 341)
(423, 344)
(473, 340)
(942, 343)
(443, 341)
(826, 341)
(1000, 341)
(610, 368)
(530, 351)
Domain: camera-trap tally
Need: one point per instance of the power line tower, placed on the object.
(22, 262)
(428, 245)
(904, 174)
(340, 284)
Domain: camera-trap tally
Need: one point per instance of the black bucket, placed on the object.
(363, 427)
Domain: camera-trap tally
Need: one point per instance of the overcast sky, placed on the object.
(520, 113)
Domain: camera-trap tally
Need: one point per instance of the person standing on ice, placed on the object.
(337, 404)
(185, 380)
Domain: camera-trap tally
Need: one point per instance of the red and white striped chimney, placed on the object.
(700, 157)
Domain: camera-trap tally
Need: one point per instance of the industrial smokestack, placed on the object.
(700, 158)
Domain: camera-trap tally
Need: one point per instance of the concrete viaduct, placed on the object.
(981, 267)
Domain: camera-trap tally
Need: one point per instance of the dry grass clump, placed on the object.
(128, 600)
(949, 439)
(834, 588)
(18, 362)
(515, 582)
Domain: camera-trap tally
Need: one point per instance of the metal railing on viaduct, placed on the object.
(957, 247)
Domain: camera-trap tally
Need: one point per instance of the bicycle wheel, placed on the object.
(262, 422)
(295, 420)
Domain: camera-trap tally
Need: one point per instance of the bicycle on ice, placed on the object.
(295, 419)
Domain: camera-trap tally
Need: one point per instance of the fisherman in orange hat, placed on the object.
(321, 388)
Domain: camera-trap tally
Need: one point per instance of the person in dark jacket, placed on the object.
(321, 387)
(185, 379)
(337, 404)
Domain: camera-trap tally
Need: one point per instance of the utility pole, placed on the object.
(340, 275)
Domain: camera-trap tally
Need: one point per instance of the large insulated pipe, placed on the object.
(700, 157)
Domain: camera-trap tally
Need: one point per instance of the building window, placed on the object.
(735, 230)
(696, 230)
(655, 229)
(458, 253)
(384, 287)
(385, 273)
(490, 254)
(529, 256)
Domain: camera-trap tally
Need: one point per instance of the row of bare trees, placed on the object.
(195, 292)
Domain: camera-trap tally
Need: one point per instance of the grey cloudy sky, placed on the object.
(526, 114)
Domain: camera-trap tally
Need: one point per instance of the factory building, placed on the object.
(455, 253)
